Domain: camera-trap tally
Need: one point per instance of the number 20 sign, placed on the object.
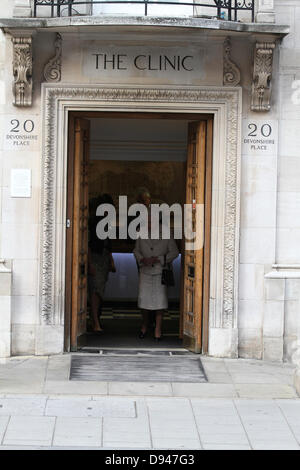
(260, 137)
(20, 133)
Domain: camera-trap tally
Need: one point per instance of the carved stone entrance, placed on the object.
(225, 105)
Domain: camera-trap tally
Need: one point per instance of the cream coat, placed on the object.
(152, 293)
(147, 248)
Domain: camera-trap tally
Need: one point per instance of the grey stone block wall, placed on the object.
(5, 307)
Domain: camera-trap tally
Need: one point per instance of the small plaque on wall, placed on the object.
(20, 182)
(20, 133)
(260, 137)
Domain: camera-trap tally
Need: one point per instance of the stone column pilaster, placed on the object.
(296, 357)
(265, 11)
(5, 307)
(22, 8)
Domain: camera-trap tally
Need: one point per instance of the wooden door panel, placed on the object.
(80, 233)
(192, 305)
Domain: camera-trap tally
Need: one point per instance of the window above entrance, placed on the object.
(231, 10)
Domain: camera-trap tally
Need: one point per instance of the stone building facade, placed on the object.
(246, 74)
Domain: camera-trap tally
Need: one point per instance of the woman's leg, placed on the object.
(95, 304)
(145, 317)
(100, 312)
(158, 324)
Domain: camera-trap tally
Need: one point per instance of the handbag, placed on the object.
(167, 276)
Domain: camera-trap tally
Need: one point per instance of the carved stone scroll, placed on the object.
(262, 75)
(231, 72)
(22, 71)
(52, 70)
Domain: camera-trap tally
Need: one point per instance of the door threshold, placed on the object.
(134, 351)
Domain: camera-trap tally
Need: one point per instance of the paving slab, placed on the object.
(22, 387)
(218, 377)
(291, 412)
(258, 367)
(204, 390)
(23, 376)
(29, 430)
(220, 435)
(265, 391)
(174, 443)
(32, 396)
(265, 425)
(274, 445)
(264, 410)
(219, 422)
(140, 388)
(85, 407)
(75, 387)
(172, 423)
(3, 425)
(255, 378)
(211, 363)
(58, 368)
(22, 406)
(225, 447)
(78, 432)
(207, 407)
(131, 433)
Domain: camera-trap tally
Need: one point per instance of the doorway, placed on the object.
(190, 166)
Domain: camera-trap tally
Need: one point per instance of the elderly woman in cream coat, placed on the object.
(152, 295)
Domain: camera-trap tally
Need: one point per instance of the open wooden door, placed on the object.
(78, 226)
(195, 261)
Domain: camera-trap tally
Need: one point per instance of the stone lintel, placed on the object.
(89, 22)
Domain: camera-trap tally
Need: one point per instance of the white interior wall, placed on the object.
(138, 139)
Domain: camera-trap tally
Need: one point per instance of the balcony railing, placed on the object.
(231, 10)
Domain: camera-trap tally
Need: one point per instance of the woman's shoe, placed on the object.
(158, 338)
(142, 334)
(98, 331)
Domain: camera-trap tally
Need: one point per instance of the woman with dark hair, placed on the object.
(101, 262)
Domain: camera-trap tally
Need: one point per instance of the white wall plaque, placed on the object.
(20, 182)
(20, 133)
(260, 137)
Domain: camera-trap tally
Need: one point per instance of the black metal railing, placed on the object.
(221, 9)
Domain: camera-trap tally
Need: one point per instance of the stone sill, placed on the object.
(284, 271)
(81, 22)
(5, 266)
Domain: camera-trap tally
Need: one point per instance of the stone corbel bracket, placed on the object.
(22, 70)
(231, 72)
(52, 70)
(262, 76)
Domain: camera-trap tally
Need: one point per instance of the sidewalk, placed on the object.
(246, 404)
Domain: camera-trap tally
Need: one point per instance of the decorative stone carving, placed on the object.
(52, 70)
(231, 72)
(57, 100)
(22, 71)
(262, 75)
